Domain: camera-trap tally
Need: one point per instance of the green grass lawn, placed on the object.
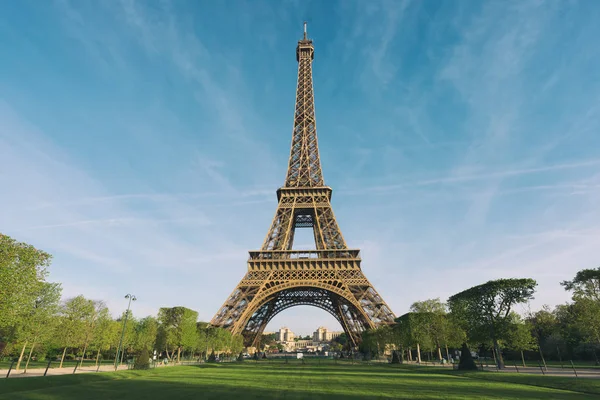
(278, 380)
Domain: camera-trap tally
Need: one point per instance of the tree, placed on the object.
(413, 330)
(544, 326)
(436, 324)
(369, 343)
(177, 329)
(585, 285)
(335, 347)
(267, 340)
(586, 297)
(220, 340)
(383, 338)
(142, 361)
(487, 307)
(146, 330)
(39, 324)
(127, 321)
(519, 336)
(341, 339)
(106, 333)
(95, 309)
(23, 269)
(76, 313)
(586, 314)
(202, 339)
(237, 344)
(466, 361)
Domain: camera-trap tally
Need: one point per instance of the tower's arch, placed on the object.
(330, 298)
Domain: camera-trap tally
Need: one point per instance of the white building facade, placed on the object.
(324, 335)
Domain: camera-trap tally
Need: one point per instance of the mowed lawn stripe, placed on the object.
(275, 381)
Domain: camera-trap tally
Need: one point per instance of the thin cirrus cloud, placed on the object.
(142, 143)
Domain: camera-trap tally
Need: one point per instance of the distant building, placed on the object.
(319, 341)
(324, 335)
(284, 335)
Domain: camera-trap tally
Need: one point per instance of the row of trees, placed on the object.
(483, 318)
(34, 322)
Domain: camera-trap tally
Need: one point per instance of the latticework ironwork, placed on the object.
(329, 277)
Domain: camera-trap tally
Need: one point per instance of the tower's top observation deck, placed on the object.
(305, 47)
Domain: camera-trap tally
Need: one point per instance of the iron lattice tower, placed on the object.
(329, 277)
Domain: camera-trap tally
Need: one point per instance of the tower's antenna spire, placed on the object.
(304, 30)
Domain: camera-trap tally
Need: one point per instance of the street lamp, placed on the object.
(131, 298)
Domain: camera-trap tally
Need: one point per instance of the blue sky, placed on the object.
(142, 142)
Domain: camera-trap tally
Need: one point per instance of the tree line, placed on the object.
(36, 324)
(483, 318)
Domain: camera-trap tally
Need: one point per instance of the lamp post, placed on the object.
(131, 298)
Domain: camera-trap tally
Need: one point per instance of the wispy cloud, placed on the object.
(468, 177)
(146, 144)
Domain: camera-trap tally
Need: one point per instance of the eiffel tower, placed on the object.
(328, 277)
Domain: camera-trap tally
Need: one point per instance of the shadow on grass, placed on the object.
(585, 385)
(239, 381)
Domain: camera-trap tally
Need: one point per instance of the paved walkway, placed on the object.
(567, 371)
(32, 372)
(551, 371)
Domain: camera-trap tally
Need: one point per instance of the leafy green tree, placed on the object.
(487, 307)
(586, 307)
(519, 336)
(413, 329)
(106, 333)
(587, 318)
(129, 336)
(220, 340)
(146, 330)
(74, 319)
(40, 324)
(341, 339)
(94, 310)
(177, 330)
(267, 340)
(23, 269)
(142, 361)
(383, 338)
(369, 342)
(237, 344)
(436, 322)
(544, 326)
(335, 347)
(202, 337)
(585, 285)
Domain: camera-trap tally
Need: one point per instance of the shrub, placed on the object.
(212, 357)
(466, 359)
(240, 358)
(142, 361)
(396, 357)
